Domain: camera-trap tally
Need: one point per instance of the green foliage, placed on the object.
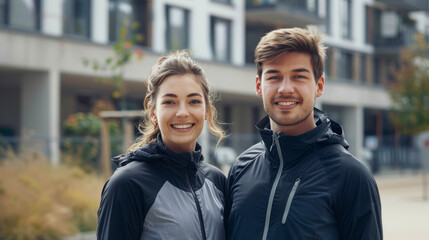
(124, 49)
(410, 93)
(83, 148)
(41, 201)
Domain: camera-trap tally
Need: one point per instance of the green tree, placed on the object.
(410, 91)
(124, 50)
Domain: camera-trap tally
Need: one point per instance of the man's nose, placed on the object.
(286, 86)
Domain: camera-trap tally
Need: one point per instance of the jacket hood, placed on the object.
(325, 132)
(158, 152)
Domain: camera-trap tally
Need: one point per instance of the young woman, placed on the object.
(162, 189)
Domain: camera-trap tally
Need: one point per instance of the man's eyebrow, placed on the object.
(269, 71)
(301, 70)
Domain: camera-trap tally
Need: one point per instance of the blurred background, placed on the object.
(72, 76)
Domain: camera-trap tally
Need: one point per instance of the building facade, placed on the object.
(43, 42)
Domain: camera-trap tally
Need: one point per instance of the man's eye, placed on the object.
(300, 76)
(273, 78)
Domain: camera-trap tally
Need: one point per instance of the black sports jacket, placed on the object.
(302, 187)
(158, 194)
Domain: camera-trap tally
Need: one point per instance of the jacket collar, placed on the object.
(294, 148)
(158, 152)
(180, 160)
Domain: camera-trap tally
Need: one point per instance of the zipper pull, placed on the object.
(275, 139)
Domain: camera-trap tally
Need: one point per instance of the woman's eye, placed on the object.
(167, 102)
(195, 101)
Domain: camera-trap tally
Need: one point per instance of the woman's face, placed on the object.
(180, 111)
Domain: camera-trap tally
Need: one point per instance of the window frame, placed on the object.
(228, 22)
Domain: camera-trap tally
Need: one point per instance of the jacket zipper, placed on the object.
(275, 184)
(289, 200)
(197, 203)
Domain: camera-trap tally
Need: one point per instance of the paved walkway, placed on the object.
(404, 210)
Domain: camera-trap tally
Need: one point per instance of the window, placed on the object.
(128, 12)
(345, 66)
(77, 18)
(177, 28)
(20, 14)
(346, 19)
(3, 12)
(221, 39)
(324, 13)
(222, 1)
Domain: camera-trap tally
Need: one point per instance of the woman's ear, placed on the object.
(152, 115)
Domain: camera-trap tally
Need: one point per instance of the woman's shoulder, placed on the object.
(213, 174)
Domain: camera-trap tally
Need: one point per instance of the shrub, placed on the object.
(42, 201)
(82, 144)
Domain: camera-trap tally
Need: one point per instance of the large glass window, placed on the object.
(221, 39)
(20, 14)
(346, 19)
(177, 28)
(2, 12)
(345, 66)
(126, 13)
(77, 17)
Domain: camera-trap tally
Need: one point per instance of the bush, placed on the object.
(41, 201)
(82, 141)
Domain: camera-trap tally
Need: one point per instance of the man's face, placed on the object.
(288, 90)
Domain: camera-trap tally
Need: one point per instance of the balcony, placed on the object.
(391, 45)
(406, 5)
(284, 12)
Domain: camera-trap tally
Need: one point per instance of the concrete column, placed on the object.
(238, 34)
(353, 128)
(159, 26)
(40, 101)
(52, 17)
(100, 21)
(199, 32)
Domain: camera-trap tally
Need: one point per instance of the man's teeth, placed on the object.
(183, 126)
(286, 103)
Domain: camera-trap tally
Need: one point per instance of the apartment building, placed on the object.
(43, 42)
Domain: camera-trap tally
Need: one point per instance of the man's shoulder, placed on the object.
(246, 158)
(251, 153)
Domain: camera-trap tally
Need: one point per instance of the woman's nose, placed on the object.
(182, 111)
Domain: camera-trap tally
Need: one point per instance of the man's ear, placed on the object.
(320, 85)
(258, 86)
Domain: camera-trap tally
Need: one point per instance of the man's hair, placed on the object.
(287, 40)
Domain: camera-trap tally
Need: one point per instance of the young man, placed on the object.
(299, 182)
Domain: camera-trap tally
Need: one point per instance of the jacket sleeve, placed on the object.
(121, 207)
(358, 210)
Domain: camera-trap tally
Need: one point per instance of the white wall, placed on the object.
(199, 20)
(100, 21)
(52, 16)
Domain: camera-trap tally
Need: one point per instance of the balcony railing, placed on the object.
(404, 38)
(291, 12)
(407, 5)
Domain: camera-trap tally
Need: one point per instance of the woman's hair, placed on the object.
(177, 63)
(287, 40)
